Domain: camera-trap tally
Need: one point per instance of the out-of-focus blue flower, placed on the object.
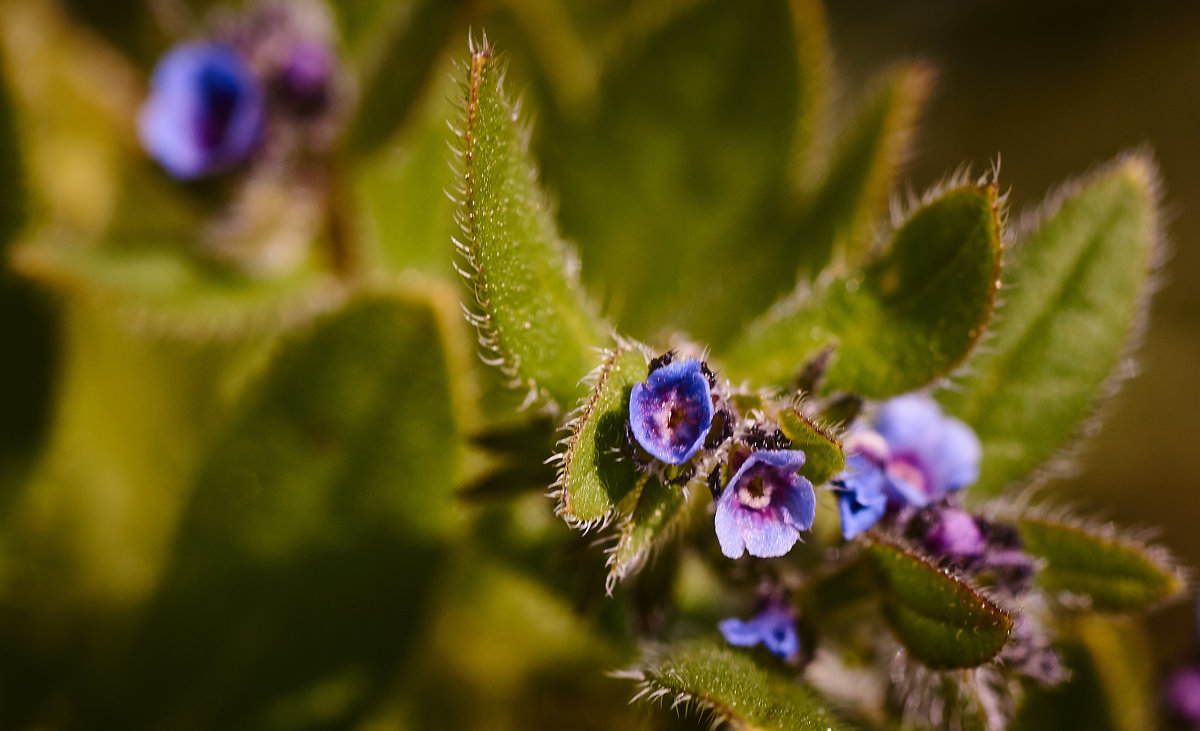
(1182, 694)
(955, 533)
(671, 412)
(773, 626)
(204, 113)
(766, 505)
(861, 499)
(913, 454)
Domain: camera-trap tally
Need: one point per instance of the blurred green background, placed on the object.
(1052, 88)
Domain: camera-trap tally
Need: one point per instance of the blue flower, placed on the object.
(861, 499)
(766, 505)
(671, 412)
(913, 455)
(204, 113)
(773, 626)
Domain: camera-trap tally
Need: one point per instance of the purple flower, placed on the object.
(671, 412)
(204, 113)
(913, 455)
(955, 533)
(765, 505)
(1182, 694)
(304, 83)
(773, 626)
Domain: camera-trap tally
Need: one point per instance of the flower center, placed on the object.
(754, 492)
(904, 467)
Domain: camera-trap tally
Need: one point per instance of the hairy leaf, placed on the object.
(315, 531)
(657, 512)
(595, 474)
(398, 64)
(1075, 291)
(532, 312)
(1115, 574)
(823, 453)
(903, 321)
(939, 619)
(707, 677)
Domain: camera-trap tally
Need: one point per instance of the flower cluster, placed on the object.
(265, 86)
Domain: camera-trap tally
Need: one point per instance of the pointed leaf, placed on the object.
(868, 154)
(595, 474)
(316, 530)
(656, 515)
(399, 63)
(905, 320)
(168, 290)
(532, 313)
(823, 453)
(939, 619)
(707, 677)
(1114, 573)
(1074, 296)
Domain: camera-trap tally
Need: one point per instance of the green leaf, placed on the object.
(837, 217)
(703, 121)
(1075, 292)
(1112, 684)
(656, 515)
(532, 312)
(939, 619)
(398, 64)
(1114, 573)
(707, 677)
(169, 290)
(823, 453)
(595, 475)
(316, 530)
(905, 320)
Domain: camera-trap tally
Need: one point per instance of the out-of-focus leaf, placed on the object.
(838, 216)
(823, 454)
(532, 312)
(316, 531)
(902, 322)
(595, 474)
(1111, 687)
(939, 619)
(1113, 573)
(657, 512)
(1075, 291)
(707, 677)
(171, 291)
(397, 67)
(696, 118)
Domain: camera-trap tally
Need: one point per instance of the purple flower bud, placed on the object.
(954, 533)
(671, 412)
(773, 626)
(303, 85)
(765, 506)
(204, 113)
(1182, 694)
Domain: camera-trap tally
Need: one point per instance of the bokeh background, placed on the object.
(1050, 88)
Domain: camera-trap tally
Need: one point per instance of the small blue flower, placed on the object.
(861, 499)
(671, 412)
(204, 113)
(955, 533)
(766, 505)
(774, 626)
(913, 455)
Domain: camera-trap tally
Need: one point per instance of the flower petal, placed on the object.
(729, 535)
